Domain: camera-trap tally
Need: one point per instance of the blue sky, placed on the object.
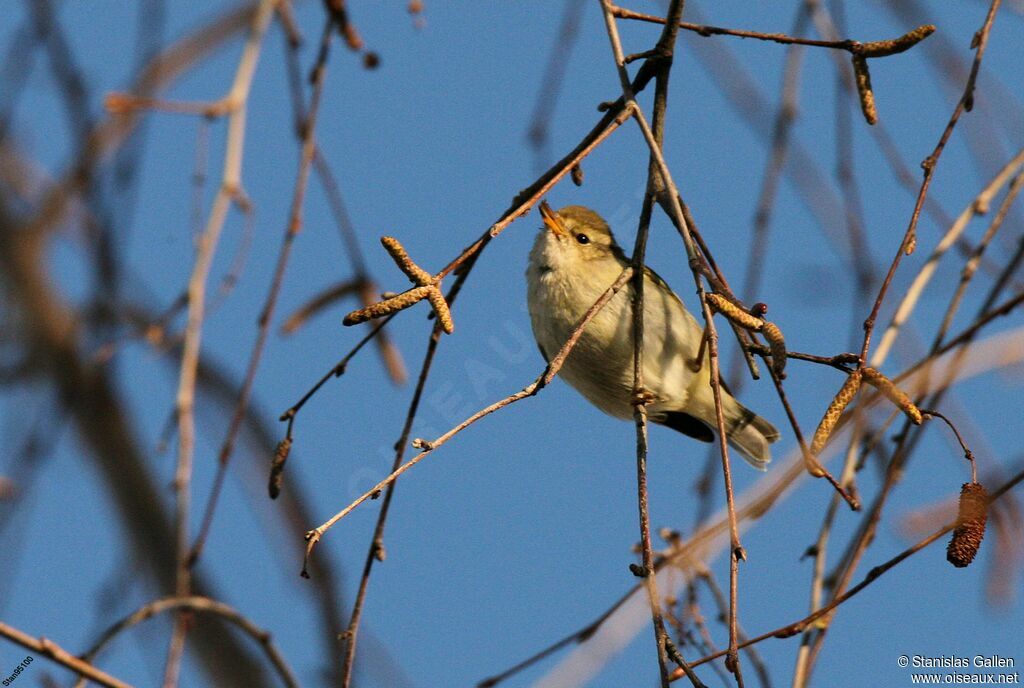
(518, 531)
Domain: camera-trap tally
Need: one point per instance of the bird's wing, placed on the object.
(683, 422)
(663, 285)
(656, 278)
(624, 261)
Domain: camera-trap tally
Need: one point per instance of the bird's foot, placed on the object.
(643, 397)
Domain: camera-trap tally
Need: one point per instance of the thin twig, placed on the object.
(760, 503)
(197, 604)
(874, 574)
(978, 205)
(664, 50)
(337, 370)
(229, 190)
(959, 438)
(971, 266)
(722, 603)
(48, 648)
(872, 49)
(375, 551)
(928, 165)
(671, 201)
(389, 353)
(313, 536)
(292, 230)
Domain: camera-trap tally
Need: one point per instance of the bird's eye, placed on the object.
(583, 238)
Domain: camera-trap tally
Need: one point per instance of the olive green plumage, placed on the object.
(574, 260)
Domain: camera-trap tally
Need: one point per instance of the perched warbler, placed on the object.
(573, 261)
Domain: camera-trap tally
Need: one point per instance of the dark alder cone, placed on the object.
(970, 525)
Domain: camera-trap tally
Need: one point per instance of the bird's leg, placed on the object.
(698, 362)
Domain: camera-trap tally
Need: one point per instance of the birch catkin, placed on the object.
(397, 303)
(444, 315)
(897, 45)
(730, 310)
(867, 97)
(284, 447)
(893, 394)
(404, 262)
(777, 344)
(828, 422)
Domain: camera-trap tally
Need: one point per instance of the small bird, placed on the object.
(573, 261)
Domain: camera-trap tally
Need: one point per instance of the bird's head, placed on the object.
(578, 233)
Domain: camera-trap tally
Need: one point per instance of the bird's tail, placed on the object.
(748, 433)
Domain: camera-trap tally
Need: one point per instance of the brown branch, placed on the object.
(671, 202)
(337, 14)
(866, 531)
(663, 52)
(615, 115)
(292, 229)
(839, 361)
(207, 606)
(661, 188)
(229, 190)
(872, 49)
(48, 648)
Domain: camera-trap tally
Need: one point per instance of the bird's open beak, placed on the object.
(551, 220)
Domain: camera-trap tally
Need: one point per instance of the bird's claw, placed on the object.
(643, 397)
